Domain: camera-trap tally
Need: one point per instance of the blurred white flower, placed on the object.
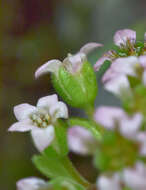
(109, 183)
(31, 183)
(81, 141)
(110, 117)
(115, 78)
(72, 63)
(135, 178)
(40, 119)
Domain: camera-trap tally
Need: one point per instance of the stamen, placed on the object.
(41, 120)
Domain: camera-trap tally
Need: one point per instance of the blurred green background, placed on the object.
(34, 31)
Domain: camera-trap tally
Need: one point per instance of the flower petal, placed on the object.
(108, 75)
(51, 66)
(121, 36)
(130, 125)
(22, 111)
(108, 115)
(43, 137)
(125, 65)
(109, 183)
(135, 178)
(59, 110)
(89, 47)
(80, 140)
(31, 183)
(22, 126)
(117, 85)
(142, 60)
(73, 63)
(47, 101)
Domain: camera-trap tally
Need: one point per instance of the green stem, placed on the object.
(90, 113)
(74, 173)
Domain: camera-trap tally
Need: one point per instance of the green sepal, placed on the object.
(79, 89)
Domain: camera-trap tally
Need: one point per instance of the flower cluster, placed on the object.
(114, 136)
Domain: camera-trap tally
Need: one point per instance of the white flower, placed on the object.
(121, 37)
(40, 119)
(109, 183)
(115, 78)
(31, 183)
(72, 63)
(81, 141)
(118, 85)
(109, 117)
(135, 178)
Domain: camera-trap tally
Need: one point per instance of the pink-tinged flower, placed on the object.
(111, 117)
(115, 78)
(142, 60)
(89, 47)
(130, 126)
(109, 183)
(72, 63)
(135, 178)
(125, 65)
(121, 37)
(81, 141)
(40, 119)
(108, 116)
(31, 183)
(118, 85)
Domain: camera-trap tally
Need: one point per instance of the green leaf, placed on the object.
(62, 183)
(88, 124)
(50, 163)
(60, 141)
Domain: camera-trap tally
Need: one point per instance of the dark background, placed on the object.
(34, 31)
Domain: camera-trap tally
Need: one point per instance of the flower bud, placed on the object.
(74, 78)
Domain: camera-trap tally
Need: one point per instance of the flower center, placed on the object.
(41, 120)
